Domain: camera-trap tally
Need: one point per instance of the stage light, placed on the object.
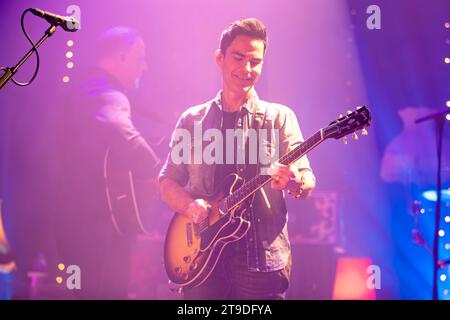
(447, 117)
(447, 246)
(431, 195)
(69, 54)
(422, 211)
(69, 65)
(69, 43)
(66, 79)
(443, 277)
(447, 25)
(448, 103)
(441, 233)
(350, 282)
(447, 60)
(445, 292)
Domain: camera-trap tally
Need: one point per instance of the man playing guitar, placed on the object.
(257, 265)
(97, 121)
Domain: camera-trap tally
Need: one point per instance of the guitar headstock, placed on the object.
(349, 124)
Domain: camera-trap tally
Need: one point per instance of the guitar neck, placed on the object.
(257, 182)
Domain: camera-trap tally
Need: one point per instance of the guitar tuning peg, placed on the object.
(354, 136)
(345, 140)
(341, 116)
(364, 132)
(348, 112)
(358, 107)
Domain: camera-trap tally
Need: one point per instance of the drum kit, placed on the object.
(424, 211)
(417, 158)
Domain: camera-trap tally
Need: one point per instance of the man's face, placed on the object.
(241, 64)
(133, 63)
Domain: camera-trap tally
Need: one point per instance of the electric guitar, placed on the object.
(193, 250)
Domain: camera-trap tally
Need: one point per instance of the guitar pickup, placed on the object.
(189, 234)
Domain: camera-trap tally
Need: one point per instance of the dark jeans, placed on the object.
(232, 281)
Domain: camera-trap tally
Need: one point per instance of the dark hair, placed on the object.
(115, 39)
(251, 27)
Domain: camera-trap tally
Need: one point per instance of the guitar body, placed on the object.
(191, 250)
(132, 202)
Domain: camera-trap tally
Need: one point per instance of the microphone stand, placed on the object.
(11, 71)
(439, 117)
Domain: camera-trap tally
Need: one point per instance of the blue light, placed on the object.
(431, 195)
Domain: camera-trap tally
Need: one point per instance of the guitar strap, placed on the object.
(257, 121)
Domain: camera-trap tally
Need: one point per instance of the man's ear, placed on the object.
(219, 57)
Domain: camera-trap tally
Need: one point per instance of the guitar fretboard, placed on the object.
(257, 182)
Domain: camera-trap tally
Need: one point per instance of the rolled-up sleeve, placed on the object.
(291, 137)
(175, 171)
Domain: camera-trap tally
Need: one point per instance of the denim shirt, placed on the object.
(266, 244)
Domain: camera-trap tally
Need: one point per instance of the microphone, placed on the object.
(69, 24)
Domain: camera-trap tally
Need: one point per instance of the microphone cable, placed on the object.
(35, 50)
